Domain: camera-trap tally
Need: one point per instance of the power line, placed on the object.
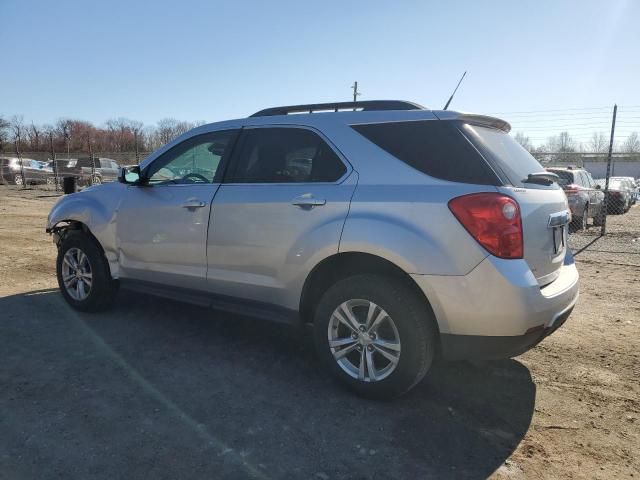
(565, 127)
(569, 109)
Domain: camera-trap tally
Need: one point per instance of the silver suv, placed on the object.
(399, 232)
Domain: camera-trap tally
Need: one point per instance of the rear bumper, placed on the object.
(498, 310)
(466, 347)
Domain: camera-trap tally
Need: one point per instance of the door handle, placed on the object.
(308, 200)
(193, 203)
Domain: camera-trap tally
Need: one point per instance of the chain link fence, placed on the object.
(40, 170)
(598, 166)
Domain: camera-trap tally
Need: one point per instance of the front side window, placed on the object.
(195, 160)
(284, 155)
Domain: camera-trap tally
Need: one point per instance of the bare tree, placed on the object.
(598, 143)
(4, 132)
(34, 133)
(166, 130)
(523, 140)
(18, 130)
(170, 128)
(64, 126)
(562, 146)
(631, 144)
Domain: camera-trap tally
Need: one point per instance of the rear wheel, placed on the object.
(83, 273)
(18, 179)
(375, 335)
(580, 224)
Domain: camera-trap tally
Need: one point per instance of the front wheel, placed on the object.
(375, 334)
(18, 179)
(83, 273)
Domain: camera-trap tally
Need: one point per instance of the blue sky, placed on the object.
(212, 60)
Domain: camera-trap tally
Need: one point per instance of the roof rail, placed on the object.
(336, 106)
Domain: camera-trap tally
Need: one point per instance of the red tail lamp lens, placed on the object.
(493, 220)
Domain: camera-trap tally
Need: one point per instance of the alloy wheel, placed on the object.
(77, 274)
(364, 340)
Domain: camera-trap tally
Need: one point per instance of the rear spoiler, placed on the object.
(473, 119)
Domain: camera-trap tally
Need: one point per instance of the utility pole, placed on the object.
(603, 230)
(356, 93)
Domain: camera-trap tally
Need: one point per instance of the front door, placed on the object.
(281, 207)
(162, 224)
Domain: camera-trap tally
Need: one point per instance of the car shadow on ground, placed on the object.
(159, 389)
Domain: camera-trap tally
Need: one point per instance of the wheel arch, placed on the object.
(344, 264)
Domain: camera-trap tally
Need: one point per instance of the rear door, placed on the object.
(544, 208)
(283, 203)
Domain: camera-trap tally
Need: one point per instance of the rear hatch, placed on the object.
(543, 205)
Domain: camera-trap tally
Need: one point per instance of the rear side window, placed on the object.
(434, 147)
(284, 155)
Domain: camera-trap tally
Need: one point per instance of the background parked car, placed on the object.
(583, 194)
(630, 183)
(34, 172)
(619, 196)
(106, 170)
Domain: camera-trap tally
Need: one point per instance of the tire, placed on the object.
(96, 180)
(598, 220)
(580, 224)
(17, 179)
(408, 318)
(102, 290)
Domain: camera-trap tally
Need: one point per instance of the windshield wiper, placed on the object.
(541, 178)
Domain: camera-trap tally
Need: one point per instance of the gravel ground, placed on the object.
(156, 389)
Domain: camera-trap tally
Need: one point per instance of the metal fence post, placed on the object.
(92, 159)
(605, 205)
(135, 134)
(19, 154)
(55, 162)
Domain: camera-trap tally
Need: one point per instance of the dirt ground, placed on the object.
(156, 389)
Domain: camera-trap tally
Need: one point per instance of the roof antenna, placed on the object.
(454, 92)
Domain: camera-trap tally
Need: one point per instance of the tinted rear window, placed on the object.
(434, 147)
(506, 155)
(566, 178)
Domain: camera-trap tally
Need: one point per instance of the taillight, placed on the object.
(493, 220)
(571, 189)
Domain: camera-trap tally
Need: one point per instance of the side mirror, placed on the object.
(130, 175)
(598, 187)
